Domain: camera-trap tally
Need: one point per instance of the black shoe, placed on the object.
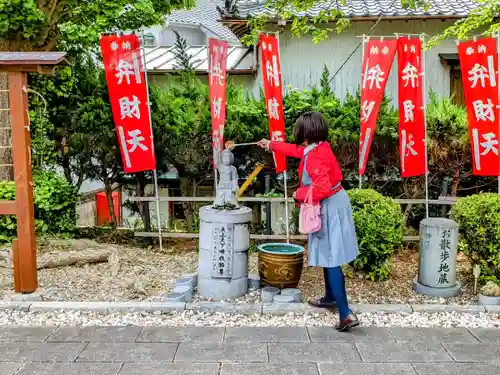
(349, 322)
(321, 302)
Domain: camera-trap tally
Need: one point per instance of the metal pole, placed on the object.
(424, 108)
(498, 85)
(285, 182)
(155, 173)
(267, 189)
(287, 227)
(360, 176)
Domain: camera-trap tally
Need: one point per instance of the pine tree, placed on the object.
(183, 60)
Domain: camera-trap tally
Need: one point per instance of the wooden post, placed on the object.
(25, 272)
(15, 266)
(17, 65)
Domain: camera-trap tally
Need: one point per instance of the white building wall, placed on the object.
(302, 61)
(193, 34)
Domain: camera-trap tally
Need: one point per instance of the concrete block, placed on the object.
(492, 309)
(283, 299)
(150, 307)
(292, 292)
(21, 297)
(287, 308)
(436, 292)
(184, 281)
(268, 292)
(434, 308)
(253, 281)
(69, 306)
(194, 279)
(13, 305)
(222, 289)
(187, 291)
(235, 308)
(173, 297)
(381, 308)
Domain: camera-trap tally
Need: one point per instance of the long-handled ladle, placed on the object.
(230, 144)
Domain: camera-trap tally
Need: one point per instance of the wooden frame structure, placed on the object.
(17, 65)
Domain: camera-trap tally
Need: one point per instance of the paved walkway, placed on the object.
(248, 351)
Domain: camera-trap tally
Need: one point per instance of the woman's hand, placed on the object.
(293, 195)
(264, 143)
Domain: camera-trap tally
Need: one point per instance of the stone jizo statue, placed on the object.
(227, 185)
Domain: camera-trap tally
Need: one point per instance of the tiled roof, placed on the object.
(32, 58)
(368, 8)
(205, 15)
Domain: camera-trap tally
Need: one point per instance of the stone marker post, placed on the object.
(224, 238)
(437, 274)
(224, 243)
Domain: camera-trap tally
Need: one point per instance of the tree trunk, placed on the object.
(456, 182)
(109, 197)
(6, 161)
(187, 188)
(140, 190)
(73, 258)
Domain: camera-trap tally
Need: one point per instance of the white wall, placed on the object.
(193, 35)
(302, 61)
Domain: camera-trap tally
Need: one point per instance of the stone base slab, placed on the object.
(222, 289)
(436, 292)
(239, 308)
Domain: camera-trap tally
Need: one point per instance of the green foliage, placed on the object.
(478, 218)
(182, 122)
(379, 226)
(484, 18)
(445, 120)
(183, 60)
(75, 24)
(331, 19)
(54, 200)
(77, 130)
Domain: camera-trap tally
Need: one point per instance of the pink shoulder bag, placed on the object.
(310, 215)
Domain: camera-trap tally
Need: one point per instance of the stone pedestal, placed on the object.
(223, 257)
(437, 274)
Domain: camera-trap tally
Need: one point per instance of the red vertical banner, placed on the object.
(412, 143)
(129, 100)
(217, 66)
(377, 62)
(271, 75)
(479, 66)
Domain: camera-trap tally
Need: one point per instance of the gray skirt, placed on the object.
(335, 244)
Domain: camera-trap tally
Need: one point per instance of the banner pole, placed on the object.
(155, 173)
(424, 105)
(498, 113)
(285, 175)
(360, 176)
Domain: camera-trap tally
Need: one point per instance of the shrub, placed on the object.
(54, 200)
(379, 226)
(478, 219)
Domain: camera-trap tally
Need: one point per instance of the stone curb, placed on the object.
(241, 308)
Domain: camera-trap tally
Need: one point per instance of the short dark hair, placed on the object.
(311, 127)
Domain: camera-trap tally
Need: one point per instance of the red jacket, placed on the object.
(322, 167)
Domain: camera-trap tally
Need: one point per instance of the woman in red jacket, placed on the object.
(335, 244)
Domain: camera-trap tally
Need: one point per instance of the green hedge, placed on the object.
(54, 200)
(380, 227)
(478, 218)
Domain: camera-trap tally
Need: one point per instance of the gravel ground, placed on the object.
(147, 273)
(189, 318)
